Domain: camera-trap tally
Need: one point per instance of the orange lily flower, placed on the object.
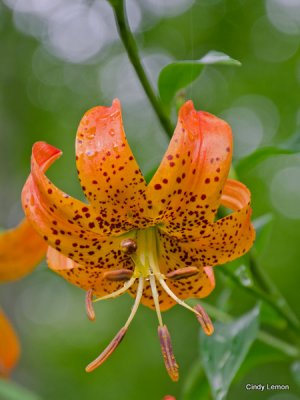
(159, 241)
(20, 250)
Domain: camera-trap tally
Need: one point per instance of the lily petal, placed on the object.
(80, 275)
(9, 346)
(187, 186)
(109, 175)
(56, 202)
(49, 217)
(222, 241)
(21, 249)
(197, 286)
(174, 255)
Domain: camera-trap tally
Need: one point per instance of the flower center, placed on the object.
(144, 251)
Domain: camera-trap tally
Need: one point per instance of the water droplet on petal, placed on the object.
(112, 132)
(90, 134)
(90, 153)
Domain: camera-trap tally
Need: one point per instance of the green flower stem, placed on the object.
(269, 287)
(263, 336)
(261, 295)
(133, 54)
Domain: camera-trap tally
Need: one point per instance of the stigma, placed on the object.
(142, 248)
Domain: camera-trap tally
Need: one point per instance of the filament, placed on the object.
(155, 299)
(139, 294)
(123, 289)
(173, 295)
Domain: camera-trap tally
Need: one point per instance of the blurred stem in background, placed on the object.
(266, 291)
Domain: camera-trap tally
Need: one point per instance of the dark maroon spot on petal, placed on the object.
(49, 191)
(157, 186)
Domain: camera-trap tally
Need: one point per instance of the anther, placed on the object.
(204, 320)
(167, 352)
(128, 246)
(118, 275)
(182, 273)
(108, 351)
(89, 305)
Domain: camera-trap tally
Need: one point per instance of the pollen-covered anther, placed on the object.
(204, 320)
(167, 352)
(118, 275)
(108, 351)
(182, 273)
(89, 305)
(129, 246)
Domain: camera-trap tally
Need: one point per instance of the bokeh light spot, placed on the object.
(285, 192)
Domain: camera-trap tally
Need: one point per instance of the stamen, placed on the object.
(182, 273)
(108, 351)
(167, 352)
(173, 295)
(126, 286)
(129, 246)
(155, 299)
(139, 294)
(118, 275)
(204, 320)
(120, 335)
(89, 305)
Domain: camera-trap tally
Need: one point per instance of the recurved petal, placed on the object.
(187, 186)
(21, 249)
(86, 277)
(226, 239)
(9, 346)
(82, 246)
(109, 175)
(57, 203)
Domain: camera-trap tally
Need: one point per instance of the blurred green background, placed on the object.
(59, 59)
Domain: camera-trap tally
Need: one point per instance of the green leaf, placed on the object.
(11, 391)
(224, 351)
(180, 74)
(246, 163)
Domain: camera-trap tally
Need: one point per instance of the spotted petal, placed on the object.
(21, 249)
(222, 241)
(9, 346)
(86, 277)
(49, 217)
(199, 285)
(187, 186)
(57, 203)
(108, 172)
